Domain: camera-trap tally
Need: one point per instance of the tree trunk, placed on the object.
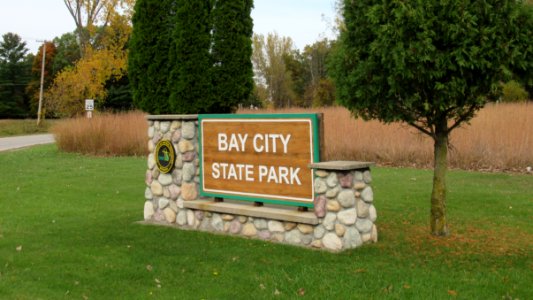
(439, 226)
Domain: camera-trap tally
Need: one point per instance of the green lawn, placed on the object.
(24, 127)
(67, 231)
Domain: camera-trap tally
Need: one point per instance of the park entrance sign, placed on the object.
(254, 159)
(260, 158)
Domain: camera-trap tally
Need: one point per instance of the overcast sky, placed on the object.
(305, 21)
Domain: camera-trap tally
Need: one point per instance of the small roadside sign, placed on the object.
(89, 104)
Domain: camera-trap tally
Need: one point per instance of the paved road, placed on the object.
(10, 143)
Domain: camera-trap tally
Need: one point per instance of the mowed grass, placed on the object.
(24, 127)
(67, 230)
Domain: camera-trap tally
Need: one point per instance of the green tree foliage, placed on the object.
(512, 91)
(258, 97)
(323, 93)
(148, 61)
(118, 96)
(190, 82)
(15, 73)
(195, 59)
(298, 71)
(521, 69)
(232, 71)
(67, 52)
(431, 64)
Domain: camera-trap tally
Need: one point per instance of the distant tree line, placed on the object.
(181, 56)
(89, 62)
(287, 77)
(15, 74)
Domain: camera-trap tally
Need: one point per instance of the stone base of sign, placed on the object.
(260, 212)
(343, 216)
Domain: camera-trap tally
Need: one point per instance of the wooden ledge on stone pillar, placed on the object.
(341, 165)
(264, 212)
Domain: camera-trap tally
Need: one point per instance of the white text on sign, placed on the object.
(268, 143)
(246, 172)
(260, 143)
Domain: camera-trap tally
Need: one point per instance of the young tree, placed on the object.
(296, 66)
(269, 58)
(67, 51)
(431, 64)
(231, 51)
(148, 61)
(190, 81)
(316, 56)
(320, 89)
(93, 16)
(323, 93)
(15, 68)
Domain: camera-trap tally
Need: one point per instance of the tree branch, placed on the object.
(72, 12)
(463, 117)
(422, 129)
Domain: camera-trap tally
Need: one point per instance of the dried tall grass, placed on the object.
(500, 138)
(103, 135)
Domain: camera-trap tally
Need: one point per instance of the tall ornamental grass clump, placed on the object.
(121, 134)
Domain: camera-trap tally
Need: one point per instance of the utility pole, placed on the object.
(42, 82)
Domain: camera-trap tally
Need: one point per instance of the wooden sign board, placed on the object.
(261, 158)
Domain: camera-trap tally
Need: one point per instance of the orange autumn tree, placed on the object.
(100, 63)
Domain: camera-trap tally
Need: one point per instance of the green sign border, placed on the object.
(316, 151)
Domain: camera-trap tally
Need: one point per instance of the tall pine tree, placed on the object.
(231, 52)
(148, 63)
(191, 56)
(190, 77)
(15, 74)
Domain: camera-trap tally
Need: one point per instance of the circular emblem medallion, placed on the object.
(165, 156)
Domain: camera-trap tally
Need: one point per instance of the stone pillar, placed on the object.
(165, 193)
(344, 203)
